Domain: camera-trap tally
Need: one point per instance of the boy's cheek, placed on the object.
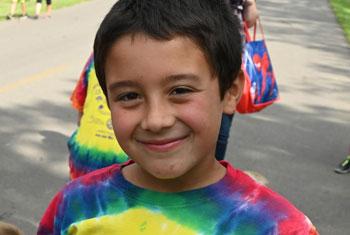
(199, 119)
(122, 124)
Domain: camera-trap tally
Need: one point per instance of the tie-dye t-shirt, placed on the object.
(103, 202)
(93, 145)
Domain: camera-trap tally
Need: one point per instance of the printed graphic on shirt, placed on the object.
(93, 145)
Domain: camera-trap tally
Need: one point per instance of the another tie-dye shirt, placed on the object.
(103, 202)
(93, 145)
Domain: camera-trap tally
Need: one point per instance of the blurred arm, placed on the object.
(250, 12)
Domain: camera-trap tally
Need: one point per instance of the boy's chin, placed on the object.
(169, 172)
(170, 175)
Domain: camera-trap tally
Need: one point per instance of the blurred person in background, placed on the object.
(13, 10)
(247, 12)
(38, 8)
(93, 144)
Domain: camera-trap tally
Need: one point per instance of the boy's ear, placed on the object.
(233, 94)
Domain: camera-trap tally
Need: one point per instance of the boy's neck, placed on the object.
(199, 177)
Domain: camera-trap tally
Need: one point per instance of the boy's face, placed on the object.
(165, 104)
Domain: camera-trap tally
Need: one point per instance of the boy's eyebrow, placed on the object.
(185, 76)
(126, 83)
(171, 78)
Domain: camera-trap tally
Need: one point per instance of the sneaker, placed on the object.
(343, 167)
(9, 17)
(35, 17)
(23, 17)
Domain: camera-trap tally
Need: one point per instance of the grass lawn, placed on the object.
(5, 6)
(342, 11)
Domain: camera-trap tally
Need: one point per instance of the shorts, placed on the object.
(48, 2)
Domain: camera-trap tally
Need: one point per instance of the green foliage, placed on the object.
(5, 6)
(342, 11)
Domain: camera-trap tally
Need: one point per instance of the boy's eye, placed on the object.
(130, 96)
(181, 91)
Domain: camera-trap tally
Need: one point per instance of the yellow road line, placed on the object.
(33, 78)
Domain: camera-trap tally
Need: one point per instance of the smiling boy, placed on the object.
(169, 70)
(167, 111)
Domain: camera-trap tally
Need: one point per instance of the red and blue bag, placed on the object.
(260, 88)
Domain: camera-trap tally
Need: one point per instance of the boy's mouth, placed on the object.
(163, 145)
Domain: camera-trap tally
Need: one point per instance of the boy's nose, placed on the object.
(157, 117)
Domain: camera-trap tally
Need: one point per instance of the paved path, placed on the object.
(295, 144)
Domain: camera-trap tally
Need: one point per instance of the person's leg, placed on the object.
(49, 7)
(37, 8)
(221, 143)
(24, 8)
(13, 8)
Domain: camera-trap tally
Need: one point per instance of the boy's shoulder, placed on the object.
(91, 181)
(73, 197)
(261, 200)
(254, 192)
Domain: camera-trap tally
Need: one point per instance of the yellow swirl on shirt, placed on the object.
(135, 221)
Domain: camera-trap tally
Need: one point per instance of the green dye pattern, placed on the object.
(204, 210)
